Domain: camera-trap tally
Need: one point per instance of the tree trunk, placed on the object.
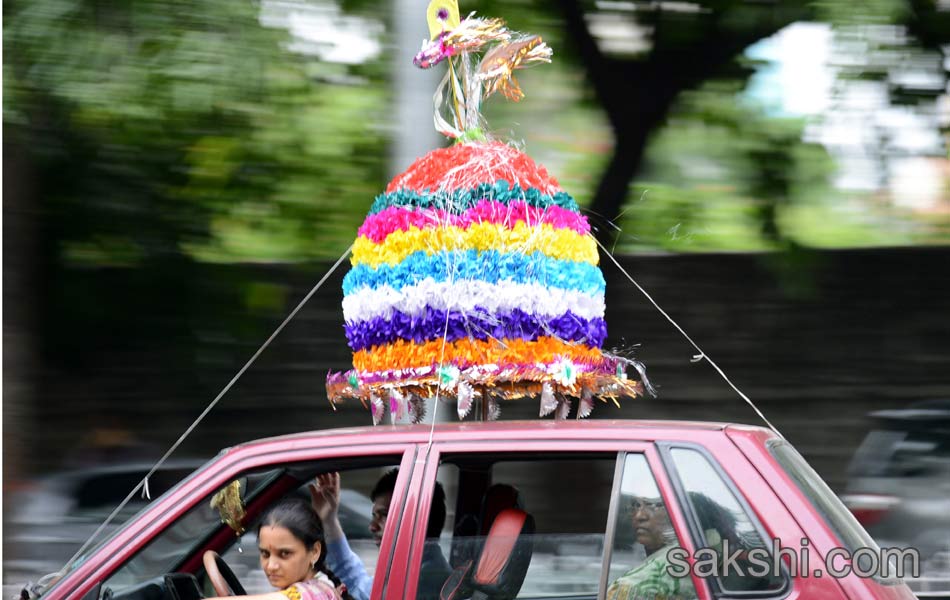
(638, 94)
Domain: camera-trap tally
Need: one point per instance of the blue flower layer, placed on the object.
(478, 325)
(464, 199)
(489, 265)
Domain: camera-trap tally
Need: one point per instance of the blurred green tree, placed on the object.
(160, 133)
(685, 45)
(161, 127)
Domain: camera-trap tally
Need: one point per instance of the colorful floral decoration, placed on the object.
(475, 277)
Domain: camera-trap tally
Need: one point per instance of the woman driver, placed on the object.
(292, 550)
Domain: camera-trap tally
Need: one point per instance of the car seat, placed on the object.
(502, 563)
(497, 498)
(471, 530)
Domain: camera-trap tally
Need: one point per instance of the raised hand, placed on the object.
(325, 496)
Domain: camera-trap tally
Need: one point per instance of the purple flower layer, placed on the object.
(480, 325)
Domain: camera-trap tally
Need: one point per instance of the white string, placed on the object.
(208, 409)
(438, 389)
(702, 355)
(450, 272)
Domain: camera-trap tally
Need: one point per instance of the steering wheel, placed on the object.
(222, 578)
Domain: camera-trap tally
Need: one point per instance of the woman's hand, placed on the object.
(325, 499)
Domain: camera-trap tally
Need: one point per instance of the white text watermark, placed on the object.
(879, 563)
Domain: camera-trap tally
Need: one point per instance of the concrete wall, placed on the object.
(817, 340)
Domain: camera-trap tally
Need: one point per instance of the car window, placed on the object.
(644, 541)
(176, 542)
(355, 513)
(724, 528)
(874, 457)
(567, 500)
(897, 453)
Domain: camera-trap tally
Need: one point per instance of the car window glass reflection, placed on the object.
(543, 520)
(726, 527)
(644, 535)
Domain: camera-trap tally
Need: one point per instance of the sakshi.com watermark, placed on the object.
(722, 561)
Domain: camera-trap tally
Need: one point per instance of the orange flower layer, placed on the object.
(467, 352)
(463, 166)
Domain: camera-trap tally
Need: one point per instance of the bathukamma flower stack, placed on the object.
(474, 277)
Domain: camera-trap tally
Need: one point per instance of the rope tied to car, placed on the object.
(143, 484)
(701, 354)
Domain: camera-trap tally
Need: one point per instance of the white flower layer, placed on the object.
(465, 295)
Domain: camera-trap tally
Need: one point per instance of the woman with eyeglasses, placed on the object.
(651, 580)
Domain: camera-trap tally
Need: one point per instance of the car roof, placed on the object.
(644, 430)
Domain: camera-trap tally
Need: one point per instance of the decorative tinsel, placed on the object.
(474, 277)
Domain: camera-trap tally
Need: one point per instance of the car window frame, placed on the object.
(431, 455)
(613, 514)
(696, 531)
(168, 508)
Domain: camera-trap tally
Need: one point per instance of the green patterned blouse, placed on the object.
(650, 580)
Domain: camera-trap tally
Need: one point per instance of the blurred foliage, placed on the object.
(160, 135)
(158, 127)
(165, 134)
(722, 175)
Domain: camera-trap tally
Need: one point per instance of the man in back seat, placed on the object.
(325, 497)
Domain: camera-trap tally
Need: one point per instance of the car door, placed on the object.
(173, 532)
(574, 491)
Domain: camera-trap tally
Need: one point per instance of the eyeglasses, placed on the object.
(648, 506)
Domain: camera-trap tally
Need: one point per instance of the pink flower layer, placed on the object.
(399, 218)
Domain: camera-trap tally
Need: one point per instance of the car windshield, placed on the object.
(849, 532)
(49, 581)
(836, 515)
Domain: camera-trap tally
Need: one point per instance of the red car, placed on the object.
(549, 509)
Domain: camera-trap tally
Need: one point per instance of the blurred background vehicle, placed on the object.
(899, 486)
(49, 519)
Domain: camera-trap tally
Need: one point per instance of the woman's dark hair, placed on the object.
(712, 515)
(298, 517)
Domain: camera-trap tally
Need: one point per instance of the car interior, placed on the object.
(171, 566)
(489, 537)
(517, 525)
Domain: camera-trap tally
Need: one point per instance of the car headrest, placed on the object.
(504, 558)
(497, 498)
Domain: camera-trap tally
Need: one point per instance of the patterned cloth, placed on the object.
(651, 580)
(318, 588)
